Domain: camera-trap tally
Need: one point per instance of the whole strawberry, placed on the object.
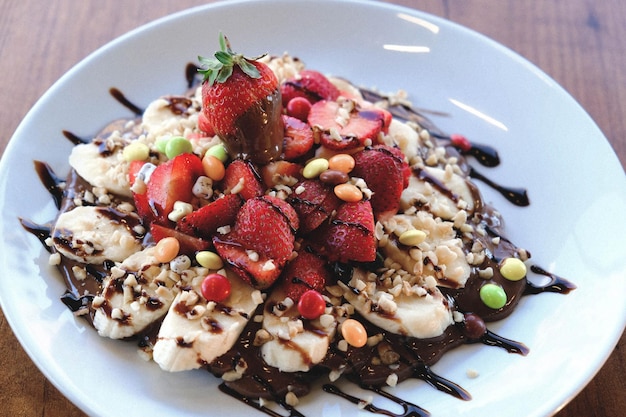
(241, 101)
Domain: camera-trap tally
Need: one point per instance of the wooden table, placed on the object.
(577, 42)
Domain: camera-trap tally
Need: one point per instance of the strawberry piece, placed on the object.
(205, 221)
(311, 85)
(241, 177)
(260, 273)
(267, 225)
(349, 236)
(385, 174)
(342, 128)
(306, 272)
(298, 138)
(277, 172)
(314, 201)
(261, 240)
(189, 245)
(170, 182)
(204, 125)
(241, 101)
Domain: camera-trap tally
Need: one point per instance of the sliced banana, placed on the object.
(195, 331)
(416, 311)
(292, 347)
(135, 294)
(423, 193)
(92, 235)
(106, 171)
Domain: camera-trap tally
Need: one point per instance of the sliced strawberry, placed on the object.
(349, 236)
(385, 174)
(261, 241)
(342, 128)
(189, 245)
(278, 172)
(242, 178)
(259, 272)
(142, 204)
(310, 84)
(170, 182)
(306, 272)
(314, 201)
(205, 221)
(267, 226)
(298, 138)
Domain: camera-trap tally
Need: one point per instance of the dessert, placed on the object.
(351, 244)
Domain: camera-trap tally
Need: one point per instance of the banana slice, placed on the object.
(106, 171)
(195, 331)
(417, 311)
(135, 294)
(422, 192)
(292, 346)
(92, 235)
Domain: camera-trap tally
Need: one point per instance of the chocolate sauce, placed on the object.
(517, 196)
(259, 132)
(370, 367)
(121, 98)
(52, 182)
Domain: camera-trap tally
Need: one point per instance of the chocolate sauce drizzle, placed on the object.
(416, 355)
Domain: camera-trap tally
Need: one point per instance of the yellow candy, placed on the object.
(412, 237)
(209, 260)
(348, 192)
(166, 249)
(314, 168)
(341, 162)
(136, 151)
(513, 269)
(354, 333)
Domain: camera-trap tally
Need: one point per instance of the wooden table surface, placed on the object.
(580, 43)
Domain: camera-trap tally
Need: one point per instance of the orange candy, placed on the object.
(354, 333)
(166, 249)
(341, 162)
(213, 167)
(348, 192)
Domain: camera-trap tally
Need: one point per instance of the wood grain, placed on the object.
(577, 42)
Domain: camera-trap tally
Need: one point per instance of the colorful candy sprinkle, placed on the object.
(314, 168)
(493, 296)
(166, 249)
(513, 269)
(354, 333)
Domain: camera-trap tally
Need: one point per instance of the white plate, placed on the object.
(574, 226)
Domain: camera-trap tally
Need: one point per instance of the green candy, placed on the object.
(493, 296)
(177, 145)
(218, 151)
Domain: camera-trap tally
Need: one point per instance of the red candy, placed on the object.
(311, 305)
(215, 287)
(461, 142)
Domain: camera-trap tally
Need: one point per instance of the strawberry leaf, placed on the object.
(220, 67)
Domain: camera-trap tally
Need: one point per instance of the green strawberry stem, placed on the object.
(220, 68)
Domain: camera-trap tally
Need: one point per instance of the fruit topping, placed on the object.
(242, 103)
(306, 272)
(383, 171)
(298, 138)
(349, 236)
(310, 85)
(344, 125)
